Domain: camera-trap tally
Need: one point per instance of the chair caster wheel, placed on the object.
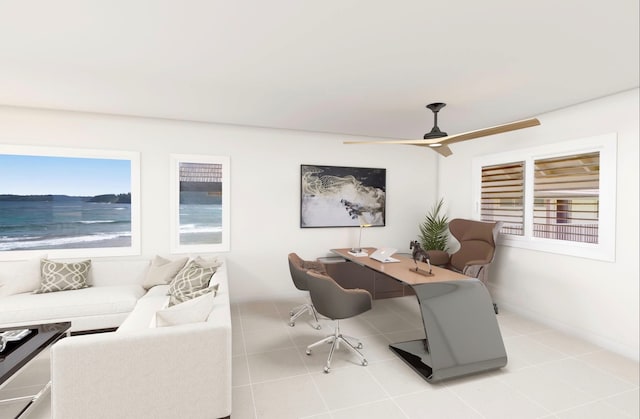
(292, 324)
(495, 308)
(291, 314)
(326, 370)
(317, 327)
(308, 352)
(364, 363)
(359, 345)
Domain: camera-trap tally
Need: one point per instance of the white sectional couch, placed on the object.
(116, 287)
(140, 370)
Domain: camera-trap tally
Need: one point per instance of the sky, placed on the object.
(74, 176)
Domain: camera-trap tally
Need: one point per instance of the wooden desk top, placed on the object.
(402, 271)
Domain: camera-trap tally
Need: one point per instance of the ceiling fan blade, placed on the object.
(498, 129)
(442, 150)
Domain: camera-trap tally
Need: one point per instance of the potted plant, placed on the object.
(434, 230)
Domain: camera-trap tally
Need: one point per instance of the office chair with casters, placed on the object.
(477, 249)
(335, 303)
(298, 268)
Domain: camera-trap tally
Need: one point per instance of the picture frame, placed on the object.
(341, 196)
(200, 203)
(66, 202)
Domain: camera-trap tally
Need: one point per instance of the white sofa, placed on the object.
(140, 370)
(116, 287)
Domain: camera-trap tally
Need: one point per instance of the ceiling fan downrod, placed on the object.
(435, 131)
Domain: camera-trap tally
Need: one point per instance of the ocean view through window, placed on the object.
(200, 195)
(58, 201)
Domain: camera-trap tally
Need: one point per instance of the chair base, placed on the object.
(300, 310)
(335, 341)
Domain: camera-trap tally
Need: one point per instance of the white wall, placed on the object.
(593, 299)
(265, 184)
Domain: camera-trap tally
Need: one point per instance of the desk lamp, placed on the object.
(357, 251)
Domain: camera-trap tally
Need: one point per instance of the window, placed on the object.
(68, 202)
(200, 203)
(503, 196)
(558, 198)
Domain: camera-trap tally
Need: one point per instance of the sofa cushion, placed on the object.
(189, 280)
(59, 276)
(162, 271)
(56, 306)
(192, 311)
(23, 276)
(143, 315)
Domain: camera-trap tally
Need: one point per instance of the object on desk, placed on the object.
(383, 255)
(357, 251)
(358, 254)
(418, 252)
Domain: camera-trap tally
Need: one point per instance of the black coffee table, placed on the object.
(18, 354)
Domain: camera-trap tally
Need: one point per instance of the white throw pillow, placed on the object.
(208, 263)
(191, 311)
(24, 277)
(162, 271)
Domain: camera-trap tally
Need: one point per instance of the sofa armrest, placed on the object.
(170, 372)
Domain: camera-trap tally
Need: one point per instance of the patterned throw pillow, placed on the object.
(58, 276)
(190, 279)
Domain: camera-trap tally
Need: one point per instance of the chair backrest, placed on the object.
(477, 241)
(296, 267)
(333, 301)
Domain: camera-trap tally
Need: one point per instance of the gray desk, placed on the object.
(461, 331)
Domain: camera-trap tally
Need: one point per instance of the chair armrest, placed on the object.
(178, 371)
(438, 257)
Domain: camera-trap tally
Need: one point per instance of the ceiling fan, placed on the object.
(439, 140)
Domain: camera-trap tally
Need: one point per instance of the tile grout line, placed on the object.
(246, 360)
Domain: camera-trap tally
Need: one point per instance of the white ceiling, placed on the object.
(365, 67)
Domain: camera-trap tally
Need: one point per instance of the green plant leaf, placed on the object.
(434, 230)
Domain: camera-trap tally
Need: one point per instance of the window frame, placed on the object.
(133, 157)
(175, 246)
(606, 145)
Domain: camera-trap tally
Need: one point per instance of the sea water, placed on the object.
(29, 225)
(200, 224)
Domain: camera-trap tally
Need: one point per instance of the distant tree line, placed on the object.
(123, 198)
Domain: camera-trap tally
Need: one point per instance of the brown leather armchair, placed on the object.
(477, 249)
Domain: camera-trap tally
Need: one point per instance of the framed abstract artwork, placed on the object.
(68, 202)
(336, 196)
(200, 203)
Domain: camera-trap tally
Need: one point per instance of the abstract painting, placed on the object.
(336, 196)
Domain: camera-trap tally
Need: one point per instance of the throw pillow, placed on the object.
(24, 277)
(58, 276)
(162, 271)
(181, 298)
(191, 311)
(190, 279)
(207, 263)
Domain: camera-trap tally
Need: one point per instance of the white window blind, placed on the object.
(558, 197)
(566, 197)
(502, 196)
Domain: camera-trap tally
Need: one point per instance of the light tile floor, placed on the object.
(549, 374)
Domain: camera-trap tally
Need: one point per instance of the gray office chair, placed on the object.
(298, 267)
(335, 302)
